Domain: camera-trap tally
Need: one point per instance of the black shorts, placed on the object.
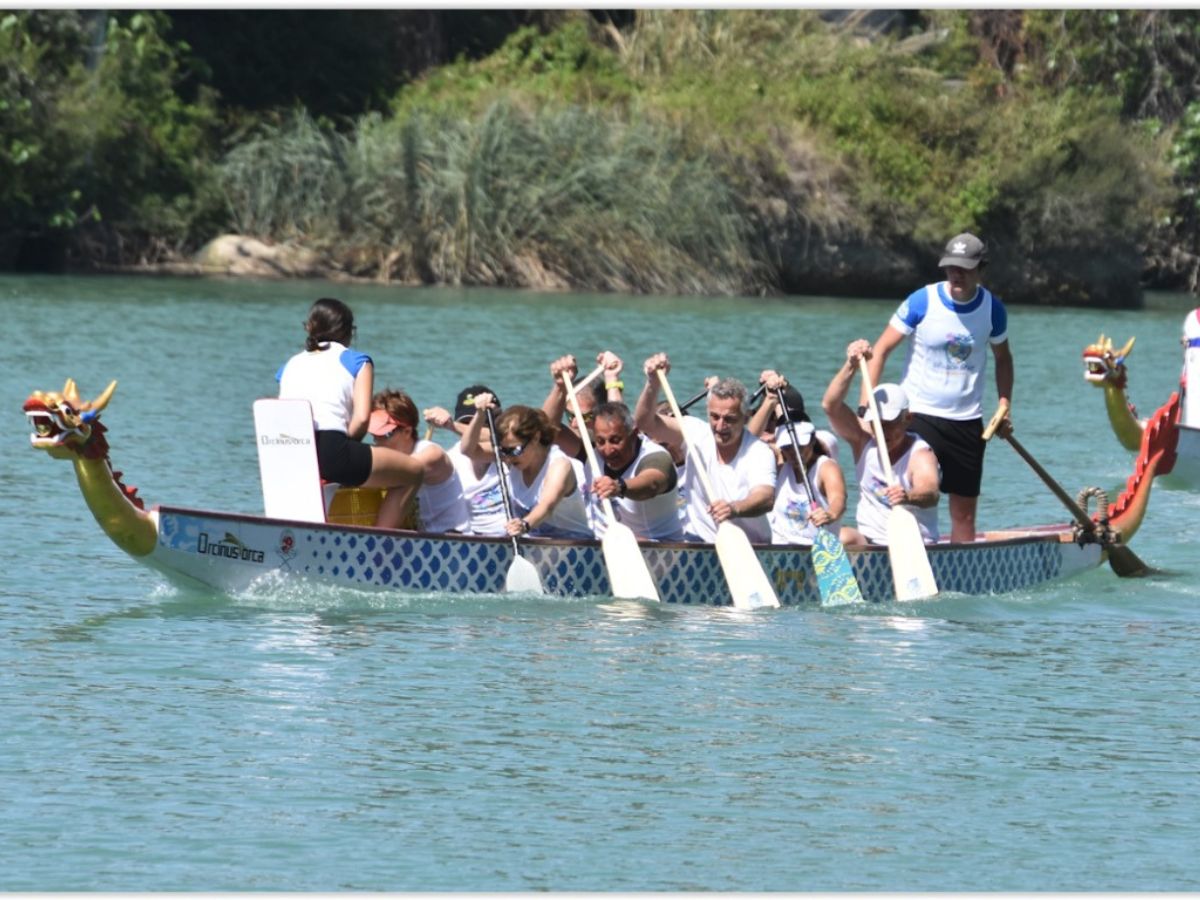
(959, 447)
(341, 459)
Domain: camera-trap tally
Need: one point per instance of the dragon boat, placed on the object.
(233, 552)
(1174, 426)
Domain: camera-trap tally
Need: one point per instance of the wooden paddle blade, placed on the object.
(748, 583)
(835, 578)
(911, 572)
(628, 573)
(1126, 563)
(523, 578)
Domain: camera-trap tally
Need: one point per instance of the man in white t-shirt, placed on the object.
(740, 467)
(951, 323)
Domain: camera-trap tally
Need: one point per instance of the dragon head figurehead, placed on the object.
(1104, 366)
(66, 426)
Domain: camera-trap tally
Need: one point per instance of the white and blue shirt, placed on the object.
(325, 378)
(947, 356)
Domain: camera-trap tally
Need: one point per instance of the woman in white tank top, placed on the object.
(440, 500)
(474, 460)
(543, 482)
(794, 520)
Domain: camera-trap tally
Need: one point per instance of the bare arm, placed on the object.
(473, 445)
(559, 483)
(923, 473)
(364, 389)
(887, 342)
(555, 403)
(660, 429)
(435, 462)
(613, 386)
(833, 485)
(758, 422)
(656, 475)
(1005, 375)
(842, 419)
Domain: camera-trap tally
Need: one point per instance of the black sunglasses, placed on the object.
(512, 452)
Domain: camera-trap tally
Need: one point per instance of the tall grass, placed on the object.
(544, 198)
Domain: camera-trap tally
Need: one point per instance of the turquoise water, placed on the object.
(296, 739)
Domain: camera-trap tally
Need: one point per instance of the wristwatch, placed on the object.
(622, 487)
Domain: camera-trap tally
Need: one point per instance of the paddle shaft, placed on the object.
(586, 440)
(787, 420)
(1122, 559)
(508, 513)
(1076, 510)
(591, 376)
(877, 423)
(697, 462)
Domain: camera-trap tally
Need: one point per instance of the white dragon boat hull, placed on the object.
(233, 553)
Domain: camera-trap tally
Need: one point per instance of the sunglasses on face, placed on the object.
(512, 452)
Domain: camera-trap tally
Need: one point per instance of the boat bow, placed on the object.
(66, 427)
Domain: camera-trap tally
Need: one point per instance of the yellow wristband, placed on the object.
(618, 385)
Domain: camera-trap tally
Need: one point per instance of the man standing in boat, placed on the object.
(913, 462)
(639, 477)
(739, 465)
(950, 323)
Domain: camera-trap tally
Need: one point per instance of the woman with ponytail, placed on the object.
(338, 383)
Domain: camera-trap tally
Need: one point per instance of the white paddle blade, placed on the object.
(627, 570)
(911, 572)
(523, 578)
(748, 583)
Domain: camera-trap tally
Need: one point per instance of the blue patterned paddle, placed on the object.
(835, 578)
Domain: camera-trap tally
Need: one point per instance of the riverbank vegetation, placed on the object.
(687, 151)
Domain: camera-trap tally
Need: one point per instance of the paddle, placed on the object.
(1121, 558)
(522, 577)
(628, 573)
(911, 572)
(748, 583)
(835, 578)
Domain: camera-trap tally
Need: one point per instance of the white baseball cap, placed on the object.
(891, 400)
(804, 434)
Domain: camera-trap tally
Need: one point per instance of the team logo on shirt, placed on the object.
(958, 350)
(878, 489)
(797, 512)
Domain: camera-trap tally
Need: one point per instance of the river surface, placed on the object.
(160, 739)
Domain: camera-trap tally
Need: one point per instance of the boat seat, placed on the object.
(287, 461)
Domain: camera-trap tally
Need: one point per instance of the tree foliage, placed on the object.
(747, 150)
(94, 141)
